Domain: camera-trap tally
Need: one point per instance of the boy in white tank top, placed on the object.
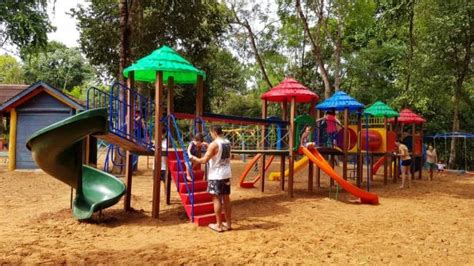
(219, 175)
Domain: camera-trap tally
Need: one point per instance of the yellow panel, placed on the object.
(383, 133)
(12, 142)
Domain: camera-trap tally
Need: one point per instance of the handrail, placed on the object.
(116, 102)
(200, 120)
(97, 99)
(187, 162)
(238, 120)
(145, 108)
(110, 157)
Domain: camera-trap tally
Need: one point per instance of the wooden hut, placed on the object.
(33, 108)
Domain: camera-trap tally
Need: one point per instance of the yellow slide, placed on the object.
(300, 164)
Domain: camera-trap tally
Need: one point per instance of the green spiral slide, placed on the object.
(57, 149)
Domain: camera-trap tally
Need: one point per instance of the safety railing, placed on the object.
(118, 106)
(179, 137)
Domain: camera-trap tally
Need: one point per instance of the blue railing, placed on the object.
(112, 151)
(116, 102)
(199, 120)
(179, 137)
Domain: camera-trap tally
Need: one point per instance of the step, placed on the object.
(200, 208)
(198, 175)
(174, 165)
(172, 154)
(206, 219)
(199, 197)
(198, 186)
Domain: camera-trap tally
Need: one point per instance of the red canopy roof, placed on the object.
(408, 117)
(288, 89)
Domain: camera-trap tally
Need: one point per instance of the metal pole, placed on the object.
(367, 149)
(465, 155)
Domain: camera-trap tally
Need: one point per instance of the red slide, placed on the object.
(318, 159)
(250, 184)
(377, 165)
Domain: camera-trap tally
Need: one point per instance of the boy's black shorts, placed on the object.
(218, 187)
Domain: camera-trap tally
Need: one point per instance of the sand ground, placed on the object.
(431, 223)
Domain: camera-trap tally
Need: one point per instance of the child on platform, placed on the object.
(196, 148)
(331, 126)
(304, 140)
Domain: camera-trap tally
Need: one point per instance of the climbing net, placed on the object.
(242, 136)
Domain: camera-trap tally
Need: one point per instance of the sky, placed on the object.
(66, 31)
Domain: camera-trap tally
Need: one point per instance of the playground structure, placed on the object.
(412, 138)
(457, 135)
(289, 91)
(135, 123)
(377, 131)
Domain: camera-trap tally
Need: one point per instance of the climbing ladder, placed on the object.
(193, 194)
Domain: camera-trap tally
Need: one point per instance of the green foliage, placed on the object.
(10, 70)
(376, 56)
(225, 76)
(24, 24)
(60, 66)
(242, 105)
(189, 25)
(76, 92)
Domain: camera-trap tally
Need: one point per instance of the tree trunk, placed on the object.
(253, 44)
(337, 55)
(123, 62)
(458, 91)
(452, 151)
(124, 39)
(257, 54)
(315, 44)
(411, 44)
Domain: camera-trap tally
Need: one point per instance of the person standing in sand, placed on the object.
(406, 162)
(219, 175)
(431, 159)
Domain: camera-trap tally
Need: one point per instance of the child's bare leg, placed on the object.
(188, 174)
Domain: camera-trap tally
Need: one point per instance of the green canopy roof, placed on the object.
(169, 62)
(379, 109)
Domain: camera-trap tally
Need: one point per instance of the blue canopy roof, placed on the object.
(340, 101)
(453, 135)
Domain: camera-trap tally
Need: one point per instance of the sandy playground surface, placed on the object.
(431, 223)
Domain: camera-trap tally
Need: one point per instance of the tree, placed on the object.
(227, 75)
(191, 25)
(335, 35)
(24, 24)
(240, 18)
(60, 66)
(449, 38)
(315, 38)
(10, 70)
